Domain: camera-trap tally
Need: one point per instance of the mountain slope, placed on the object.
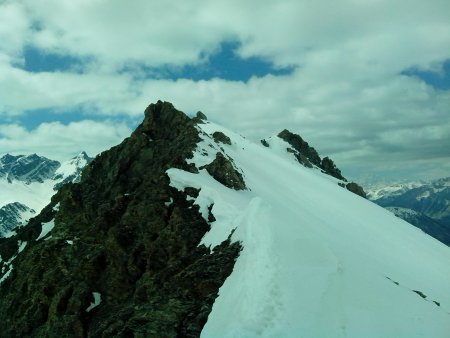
(12, 215)
(292, 147)
(187, 229)
(430, 201)
(434, 228)
(316, 260)
(122, 239)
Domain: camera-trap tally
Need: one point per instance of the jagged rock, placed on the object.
(330, 168)
(264, 143)
(218, 136)
(201, 116)
(308, 157)
(224, 172)
(356, 189)
(115, 234)
(301, 146)
(302, 159)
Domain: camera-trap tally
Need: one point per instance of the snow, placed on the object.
(402, 212)
(22, 245)
(97, 300)
(376, 192)
(8, 264)
(169, 203)
(5, 276)
(316, 258)
(424, 195)
(8, 234)
(34, 195)
(70, 167)
(46, 228)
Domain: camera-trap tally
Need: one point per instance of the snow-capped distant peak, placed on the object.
(27, 168)
(29, 182)
(72, 166)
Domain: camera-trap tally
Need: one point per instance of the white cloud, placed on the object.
(105, 94)
(59, 141)
(13, 30)
(346, 97)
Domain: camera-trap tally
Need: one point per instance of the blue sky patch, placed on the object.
(33, 118)
(439, 80)
(224, 64)
(38, 60)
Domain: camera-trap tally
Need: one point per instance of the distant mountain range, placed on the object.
(27, 183)
(423, 204)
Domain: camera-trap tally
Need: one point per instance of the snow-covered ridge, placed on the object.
(317, 260)
(377, 192)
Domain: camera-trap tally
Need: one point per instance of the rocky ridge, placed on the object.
(118, 254)
(307, 156)
(31, 168)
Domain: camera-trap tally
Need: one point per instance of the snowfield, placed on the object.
(317, 260)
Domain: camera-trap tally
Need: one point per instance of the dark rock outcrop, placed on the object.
(301, 146)
(356, 189)
(218, 136)
(308, 156)
(124, 233)
(330, 168)
(223, 171)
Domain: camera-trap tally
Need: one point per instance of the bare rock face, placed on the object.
(218, 136)
(223, 171)
(330, 168)
(124, 234)
(301, 146)
(308, 157)
(356, 189)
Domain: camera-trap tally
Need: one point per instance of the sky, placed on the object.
(366, 82)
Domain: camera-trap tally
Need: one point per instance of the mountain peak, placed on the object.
(27, 168)
(163, 121)
(145, 241)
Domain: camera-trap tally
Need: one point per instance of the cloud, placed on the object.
(105, 94)
(59, 141)
(348, 95)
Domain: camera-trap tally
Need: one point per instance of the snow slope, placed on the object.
(317, 260)
(35, 195)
